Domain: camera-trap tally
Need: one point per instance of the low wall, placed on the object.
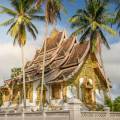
(72, 111)
(100, 115)
(53, 115)
(61, 115)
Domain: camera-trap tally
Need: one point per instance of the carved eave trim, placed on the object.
(81, 61)
(102, 71)
(69, 51)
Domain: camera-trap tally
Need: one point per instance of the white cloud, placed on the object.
(111, 60)
(10, 56)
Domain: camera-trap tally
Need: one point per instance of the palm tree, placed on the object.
(52, 13)
(22, 16)
(91, 23)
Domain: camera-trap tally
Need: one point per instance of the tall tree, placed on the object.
(52, 11)
(91, 23)
(21, 22)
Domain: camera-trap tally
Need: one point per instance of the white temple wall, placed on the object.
(35, 85)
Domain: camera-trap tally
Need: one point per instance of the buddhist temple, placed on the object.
(71, 71)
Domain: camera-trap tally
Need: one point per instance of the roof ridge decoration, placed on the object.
(61, 34)
(101, 68)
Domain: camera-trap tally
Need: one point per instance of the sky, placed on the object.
(10, 56)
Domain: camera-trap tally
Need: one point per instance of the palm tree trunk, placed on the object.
(43, 67)
(23, 73)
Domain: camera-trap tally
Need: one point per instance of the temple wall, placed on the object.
(87, 73)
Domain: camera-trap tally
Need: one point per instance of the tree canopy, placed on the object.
(91, 22)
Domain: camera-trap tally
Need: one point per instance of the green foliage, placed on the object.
(53, 9)
(90, 23)
(15, 72)
(21, 21)
(108, 102)
(116, 104)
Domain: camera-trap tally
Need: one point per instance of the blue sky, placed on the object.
(10, 56)
(71, 9)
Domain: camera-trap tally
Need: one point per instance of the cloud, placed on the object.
(10, 56)
(111, 60)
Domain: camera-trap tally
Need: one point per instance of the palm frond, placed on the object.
(11, 27)
(7, 11)
(37, 17)
(23, 15)
(74, 19)
(31, 31)
(94, 17)
(38, 3)
(99, 12)
(52, 10)
(34, 28)
(109, 29)
(78, 31)
(15, 5)
(104, 40)
(85, 35)
(7, 22)
(33, 10)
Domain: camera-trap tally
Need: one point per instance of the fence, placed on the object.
(54, 115)
(60, 115)
(72, 112)
(100, 116)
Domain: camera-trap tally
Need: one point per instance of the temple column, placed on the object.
(35, 85)
(93, 96)
(80, 92)
(61, 95)
(3, 97)
(80, 89)
(50, 93)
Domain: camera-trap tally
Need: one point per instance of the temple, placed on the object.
(71, 71)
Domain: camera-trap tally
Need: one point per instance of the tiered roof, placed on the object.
(64, 58)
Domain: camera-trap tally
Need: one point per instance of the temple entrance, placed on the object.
(86, 91)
